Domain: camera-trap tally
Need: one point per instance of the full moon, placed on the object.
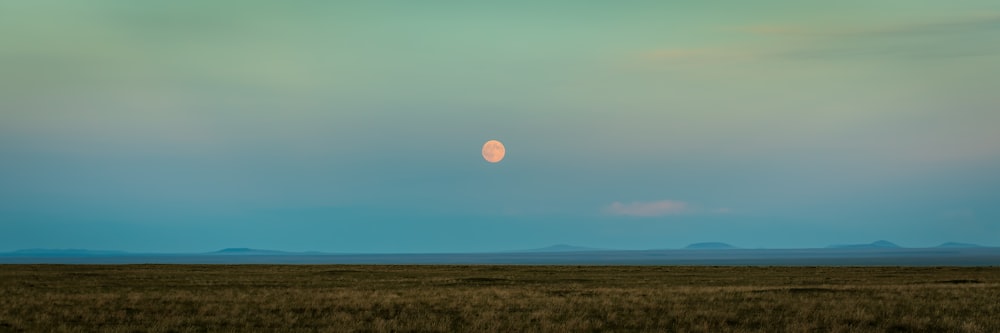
(493, 151)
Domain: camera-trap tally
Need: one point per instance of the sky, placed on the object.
(356, 126)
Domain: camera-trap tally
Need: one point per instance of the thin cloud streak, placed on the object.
(932, 39)
(649, 208)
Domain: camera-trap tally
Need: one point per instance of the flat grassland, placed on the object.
(276, 298)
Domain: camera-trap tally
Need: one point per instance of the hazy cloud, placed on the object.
(962, 25)
(698, 56)
(973, 35)
(648, 208)
(958, 37)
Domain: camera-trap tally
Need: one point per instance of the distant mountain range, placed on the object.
(238, 251)
(708, 253)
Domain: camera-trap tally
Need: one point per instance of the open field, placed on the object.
(185, 298)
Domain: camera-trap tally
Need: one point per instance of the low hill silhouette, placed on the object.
(879, 244)
(958, 245)
(248, 251)
(562, 248)
(709, 246)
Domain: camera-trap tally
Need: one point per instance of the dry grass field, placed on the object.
(335, 298)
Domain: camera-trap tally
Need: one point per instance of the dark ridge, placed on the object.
(801, 290)
(812, 290)
(483, 280)
(960, 281)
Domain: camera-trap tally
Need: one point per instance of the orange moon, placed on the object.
(493, 151)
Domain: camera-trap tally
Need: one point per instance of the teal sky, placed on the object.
(356, 126)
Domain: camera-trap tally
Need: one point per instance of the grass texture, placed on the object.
(480, 298)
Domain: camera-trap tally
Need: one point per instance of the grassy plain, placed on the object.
(344, 298)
